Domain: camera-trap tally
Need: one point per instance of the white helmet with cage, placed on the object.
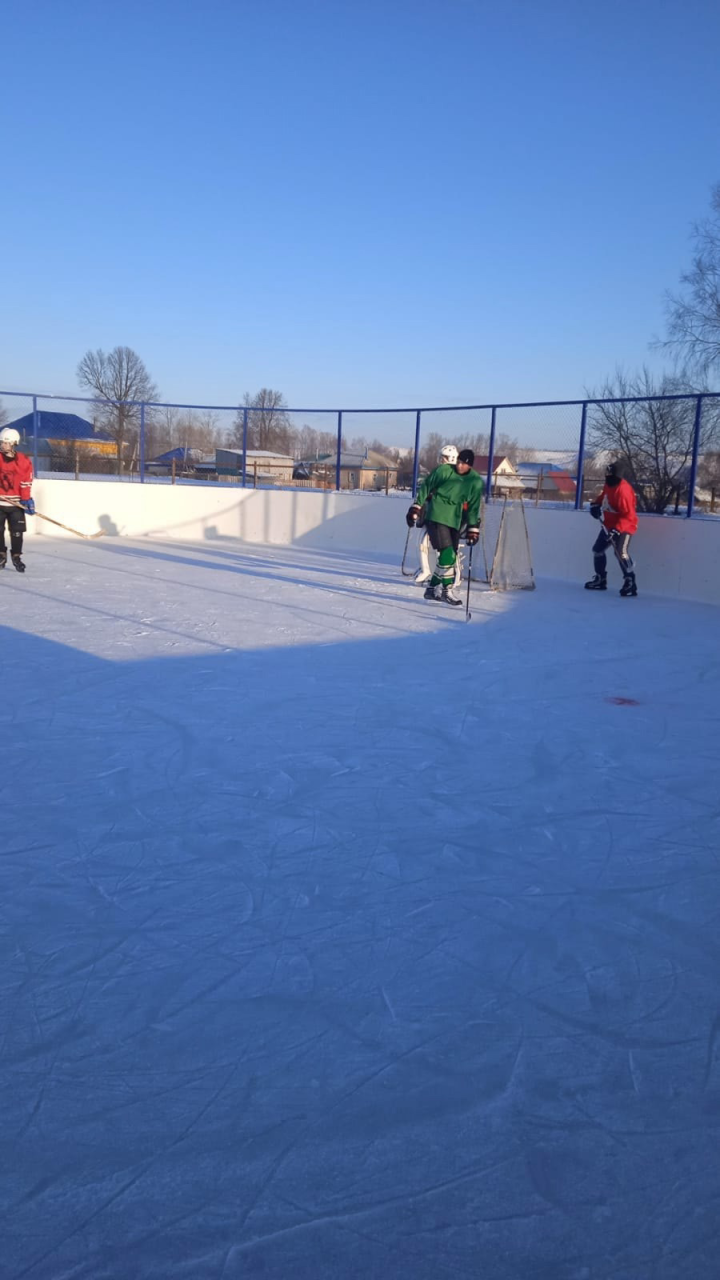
(449, 454)
(9, 439)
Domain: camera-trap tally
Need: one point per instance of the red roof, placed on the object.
(481, 463)
(563, 482)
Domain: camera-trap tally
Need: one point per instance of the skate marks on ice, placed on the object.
(311, 969)
(193, 598)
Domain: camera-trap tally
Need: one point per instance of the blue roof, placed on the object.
(536, 468)
(58, 426)
(177, 455)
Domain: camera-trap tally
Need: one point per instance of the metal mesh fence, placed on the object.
(464, 428)
(656, 438)
(17, 412)
(308, 443)
(539, 445)
(378, 451)
(190, 445)
(671, 445)
(85, 438)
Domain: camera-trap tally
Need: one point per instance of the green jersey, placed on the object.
(447, 495)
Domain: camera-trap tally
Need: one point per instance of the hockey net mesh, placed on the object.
(512, 564)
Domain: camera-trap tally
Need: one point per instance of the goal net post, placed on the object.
(506, 562)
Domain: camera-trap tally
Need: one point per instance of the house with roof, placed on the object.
(368, 470)
(546, 482)
(61, 439)
(263, 466)
(181, 461)
(505, 482)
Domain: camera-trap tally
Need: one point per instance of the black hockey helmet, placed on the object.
(615, 472)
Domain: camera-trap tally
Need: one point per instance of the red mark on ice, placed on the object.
(623, 702)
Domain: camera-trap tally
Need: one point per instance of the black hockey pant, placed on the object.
(620, 543)
(14, 518)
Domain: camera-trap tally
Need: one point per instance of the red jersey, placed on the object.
(16, 477)
(620, 507)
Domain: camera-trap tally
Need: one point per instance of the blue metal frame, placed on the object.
(142, 443)
(426, 408)
(339, 450)
(695, 452)
(491, 452)
(416, 454)
(35, 434)
(581, 458)
(245, 431)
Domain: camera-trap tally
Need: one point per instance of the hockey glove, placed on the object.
(472, 536)
(28, 505)
(412, 515)
(595, 510)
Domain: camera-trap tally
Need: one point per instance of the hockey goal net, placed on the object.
(509, 566)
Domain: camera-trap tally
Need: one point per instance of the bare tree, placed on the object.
(693, 314)
(430, 450)
(116, 378)
(269, 426)
(655, 437)
(3, 414)
(197, 429)
(309, 443)
(160, 429)
(709, 476)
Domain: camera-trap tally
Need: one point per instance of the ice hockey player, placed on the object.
(16, 477)
(616, 508)
(452, 495)
(448, 454)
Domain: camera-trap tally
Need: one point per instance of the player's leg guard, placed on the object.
(424, 572)
(600, 546)
(16, 521)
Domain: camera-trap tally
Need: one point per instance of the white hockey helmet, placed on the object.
(9, 438)
(449, 454)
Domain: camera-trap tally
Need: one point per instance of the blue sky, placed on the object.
(398, 203)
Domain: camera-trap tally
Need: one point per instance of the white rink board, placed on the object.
(676, 558)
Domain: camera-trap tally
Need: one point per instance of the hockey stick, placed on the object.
(614, 537)
(468, 614)
(15, 502)
(420, 526)
(100, 533)
(407, 573)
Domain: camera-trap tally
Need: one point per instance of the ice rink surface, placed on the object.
(343, 939)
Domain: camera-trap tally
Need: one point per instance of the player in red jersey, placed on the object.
(16, 477)
(617, 509)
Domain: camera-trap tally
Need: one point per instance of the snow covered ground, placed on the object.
(343, 939)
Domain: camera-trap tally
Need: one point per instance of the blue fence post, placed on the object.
(695, 453)
(142, 443)
(245, 431)
(339, 451)
(581, 458)
(491, 454)
(416, 458)
(35, 435)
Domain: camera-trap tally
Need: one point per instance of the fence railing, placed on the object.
(551, 451)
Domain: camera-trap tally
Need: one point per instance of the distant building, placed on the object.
(62, 438)
(262, 466)
(368, 470)
(546, 482)
(180, 461)
(565, 458)
(504, 477)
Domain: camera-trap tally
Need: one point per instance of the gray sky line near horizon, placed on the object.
(406, 203)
